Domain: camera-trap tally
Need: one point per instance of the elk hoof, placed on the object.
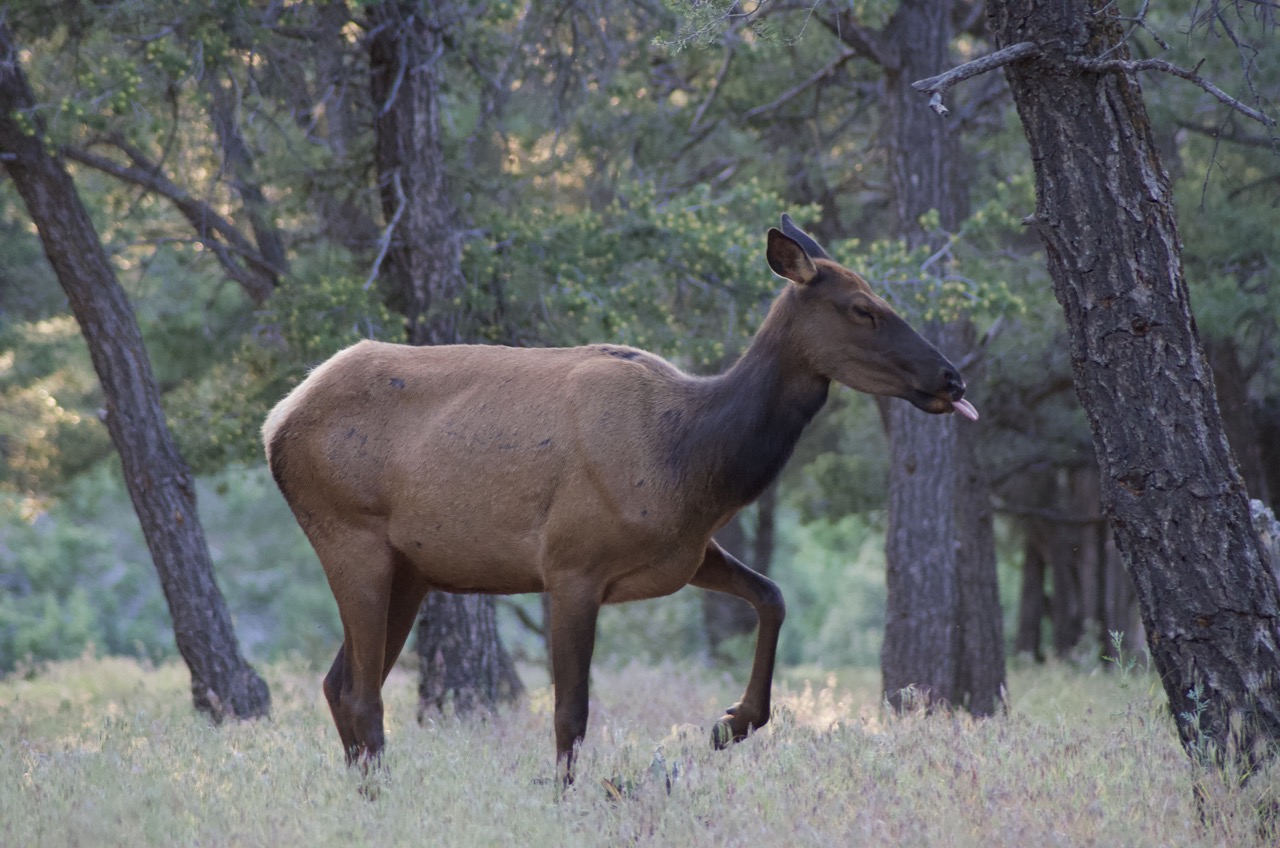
(722, 734)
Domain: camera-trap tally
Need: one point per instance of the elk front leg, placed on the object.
(722, 573)
(573, 636)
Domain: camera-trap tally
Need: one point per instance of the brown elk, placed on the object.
(597, 474)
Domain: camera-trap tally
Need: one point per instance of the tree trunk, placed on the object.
(465, 666)
(461, 658)
(424, 260)
(159, 482)
(1032, 601)
(943, 627)
(1176, 500)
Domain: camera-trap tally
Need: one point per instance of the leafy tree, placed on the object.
(159, 482)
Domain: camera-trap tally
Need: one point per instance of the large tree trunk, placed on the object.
(461, 658)
(1170, 486)
(943, 627)
(159, 482)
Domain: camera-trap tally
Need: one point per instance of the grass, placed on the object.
(109, 752)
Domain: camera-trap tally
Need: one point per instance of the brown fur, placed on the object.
(597, 474)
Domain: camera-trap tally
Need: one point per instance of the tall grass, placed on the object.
(109, 752)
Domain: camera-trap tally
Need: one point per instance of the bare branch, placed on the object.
(1053, 516)
(1133, 66)
(867, 43)
(826, 72)
(939, 85)
(715, 86)
(214, 231)
(1234, 137)
(384, 243)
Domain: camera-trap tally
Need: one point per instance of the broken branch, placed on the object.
(938, 86)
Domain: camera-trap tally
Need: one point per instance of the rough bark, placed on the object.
(466, 668)
(158, 479)
(1170, 487)
(942, 623)
(423, 263)
(461, 658)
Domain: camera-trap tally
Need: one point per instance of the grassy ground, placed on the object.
(106, 752)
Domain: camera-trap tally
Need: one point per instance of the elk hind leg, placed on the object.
(721, 572)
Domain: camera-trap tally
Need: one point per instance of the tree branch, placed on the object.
(208, 224)
(1053, 516)
(1131, 66)
(863, 41)
(1233, 136)
(384, 243)
(799, 88)
(939, 85)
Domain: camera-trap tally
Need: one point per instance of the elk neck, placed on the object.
(741, 426)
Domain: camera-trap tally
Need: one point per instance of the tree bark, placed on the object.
(465, 668)
(424, 258)
(461, 657)
(158, 479)
(943, 627)
(1176, 500)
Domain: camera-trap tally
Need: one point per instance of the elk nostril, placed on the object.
(954, 382)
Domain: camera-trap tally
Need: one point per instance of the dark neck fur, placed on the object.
(744, 424)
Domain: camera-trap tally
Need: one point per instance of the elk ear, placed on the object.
(805, 240)
(787, 259)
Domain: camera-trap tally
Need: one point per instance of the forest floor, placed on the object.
(110, 752)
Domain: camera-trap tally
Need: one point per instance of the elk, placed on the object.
(597, 474)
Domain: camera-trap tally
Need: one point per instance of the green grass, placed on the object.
(108, 752)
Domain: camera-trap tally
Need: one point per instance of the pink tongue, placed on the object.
(966, 409)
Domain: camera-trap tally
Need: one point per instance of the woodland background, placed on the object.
(611, 170)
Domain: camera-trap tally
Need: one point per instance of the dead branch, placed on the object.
(214, 231)
(940, 84)
(384, 242)
(1132, 66)
(1233, 136)
(791, 93)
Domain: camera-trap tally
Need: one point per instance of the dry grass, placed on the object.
(105, 752)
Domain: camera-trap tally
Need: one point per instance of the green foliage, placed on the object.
(682, 275)
(832, 571)
(218, 415)
(68, 589)
(613, 187)
(79, 576)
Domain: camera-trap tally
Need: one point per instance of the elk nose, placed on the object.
(954, 383)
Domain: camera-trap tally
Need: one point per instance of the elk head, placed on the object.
(853, 336)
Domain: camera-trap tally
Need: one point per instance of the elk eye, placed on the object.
(862, 313)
